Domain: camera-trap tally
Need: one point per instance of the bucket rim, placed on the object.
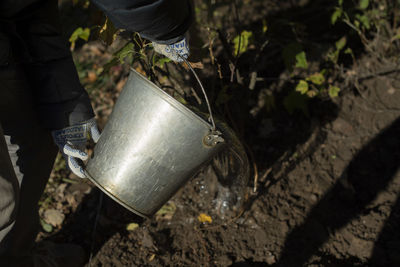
(171, 100)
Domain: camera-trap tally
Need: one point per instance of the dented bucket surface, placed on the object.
(150, 146)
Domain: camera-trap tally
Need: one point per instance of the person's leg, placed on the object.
(32, 154)
(9, 190)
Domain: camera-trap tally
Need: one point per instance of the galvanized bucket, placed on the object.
(150, 146)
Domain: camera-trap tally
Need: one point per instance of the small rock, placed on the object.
(270, 259)
(341, 126)
(314, 198)
(391, 91)
(60, 191)
(79, 188)
(54, 217)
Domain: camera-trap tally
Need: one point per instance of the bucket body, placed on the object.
(150, 146)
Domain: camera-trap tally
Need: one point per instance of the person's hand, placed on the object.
(172, 51)
(72, 142)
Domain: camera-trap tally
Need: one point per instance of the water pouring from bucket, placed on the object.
(151, 145)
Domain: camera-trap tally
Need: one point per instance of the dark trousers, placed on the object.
(27, 155)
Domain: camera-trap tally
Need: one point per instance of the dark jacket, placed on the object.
(30, 35)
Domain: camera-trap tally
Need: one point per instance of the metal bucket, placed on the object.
(150, 146)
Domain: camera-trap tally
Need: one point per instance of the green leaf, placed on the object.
(109, 65)
(108, 32)
(265, 26)
(341, 43)
(243, 39)
(301, 60)
(124, 52)
(336, 15)
(363, 4)
(348, 51)
(162, 60)
(75, 35)
(292, 55)
(333, 56)
(302, 87)
(333, 91)
(85, 34)
(340, 2)
(364, 21)
(47, 227)
(296, 101)
(316, 78)
(79, 33)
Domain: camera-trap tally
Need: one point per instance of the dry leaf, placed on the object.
(132, 226)
(152, 257)
(140, 70)
(195, 65)
(204, 218)
(92, 77)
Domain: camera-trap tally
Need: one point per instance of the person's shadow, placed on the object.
(369, 173)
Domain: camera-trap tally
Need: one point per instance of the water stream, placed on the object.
(231, 167)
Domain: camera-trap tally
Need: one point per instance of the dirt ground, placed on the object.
(327, 192)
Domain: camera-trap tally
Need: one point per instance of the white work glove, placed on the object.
(72, 142)
(173, 50)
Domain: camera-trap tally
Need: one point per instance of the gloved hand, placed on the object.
(172, 51)
(72, 143)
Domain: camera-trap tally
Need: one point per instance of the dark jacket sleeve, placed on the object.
(60, 98)
(163, 21)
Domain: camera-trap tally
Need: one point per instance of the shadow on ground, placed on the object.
(367, 174)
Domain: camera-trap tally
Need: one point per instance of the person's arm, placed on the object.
(62, 103)
(61, 100)
(160, 21)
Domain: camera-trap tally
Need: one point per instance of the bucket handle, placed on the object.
(213, 129)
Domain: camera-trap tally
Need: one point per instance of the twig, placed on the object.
(237, 18)
(253, 80)
(198, 99)
(381, 73)
(255, 182)
(266, 173)
(395, 11)
(253, 160)
(210, 47)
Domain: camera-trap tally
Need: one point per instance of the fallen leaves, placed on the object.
(132, 226)
(194, 65)
(92, 76)
(152, 256)
(204, 218)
